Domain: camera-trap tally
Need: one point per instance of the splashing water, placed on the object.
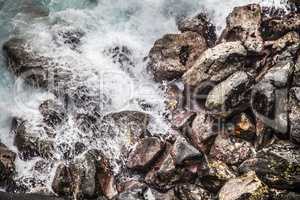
(129, 24)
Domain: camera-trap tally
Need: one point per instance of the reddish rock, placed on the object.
(145, 153)
(174, 54)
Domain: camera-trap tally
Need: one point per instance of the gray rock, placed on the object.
(216, 64)
(174, 54)
(229, 95)
(294, 114)
(192, 192)
(8, 196)
(7, 165)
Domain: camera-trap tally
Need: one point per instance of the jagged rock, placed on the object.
(245, 187)
(216, 64)
(53, 113)
(202, 134)
(7, 165)
(296, 78)
(201, 25)
(174, 54)
(30, 142)
(284, 195)
(185, 154)
(294, 115)
(276, 165)
(70, 37)
(145, 153)
(229, 95)
(181, 118)
(218, 174)
(243, 24)
(244, 127)
(8, 196)
(174, 98)
(88, 176)
(62, 181)
(179, 163)
(277, 26)
(192, 192)
(231, 150)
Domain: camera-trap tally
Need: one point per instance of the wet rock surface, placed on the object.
(239, 141)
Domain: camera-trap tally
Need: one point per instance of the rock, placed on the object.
(216, 64)
(174, 54)
(243, 24)
(174, 98)
(229, 95)
(62, 181)
(202, 133)
(70, 37)
(185, 154)
(275, 27)
(30, 142)
(7, 165)
(201, 25)
(294, 113)
(179, 163)
(53, 112)
(284, 195)
(182, 118)
(244, 127)
(8, 196)
(296, 78)
(276, 165)
(145, 153)
(231, 150)
(218, 174)
(245, 187)
(192, 192)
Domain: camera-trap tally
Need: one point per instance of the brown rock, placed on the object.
(174, 54)
(145, 153)
(7, 165)
(243, 24)
(244, 187)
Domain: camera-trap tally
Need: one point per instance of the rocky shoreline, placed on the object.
(233, 102)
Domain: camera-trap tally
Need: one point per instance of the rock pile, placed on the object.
(236, 126)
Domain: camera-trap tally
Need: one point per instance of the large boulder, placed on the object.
(201, 25)
(216, 64)
(243, 24)
(174, 54)
(230, 95)
(277, 165)
(245, 187)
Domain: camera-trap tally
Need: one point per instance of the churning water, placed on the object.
(130, 24)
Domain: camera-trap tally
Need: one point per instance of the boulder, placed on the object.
(31, 141)
(294, 114)
(62, 181)
(243, 24)
(8, 196)
(229, 95)
(231, 150)
(53, 113)
(217, 175)
(277, 26)
(174, 54)
(145, 153)
(192, 192)
(7, 164)
(216, 64)
(201, 25)
(202, 133)
(276, 165)
(245, 187)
